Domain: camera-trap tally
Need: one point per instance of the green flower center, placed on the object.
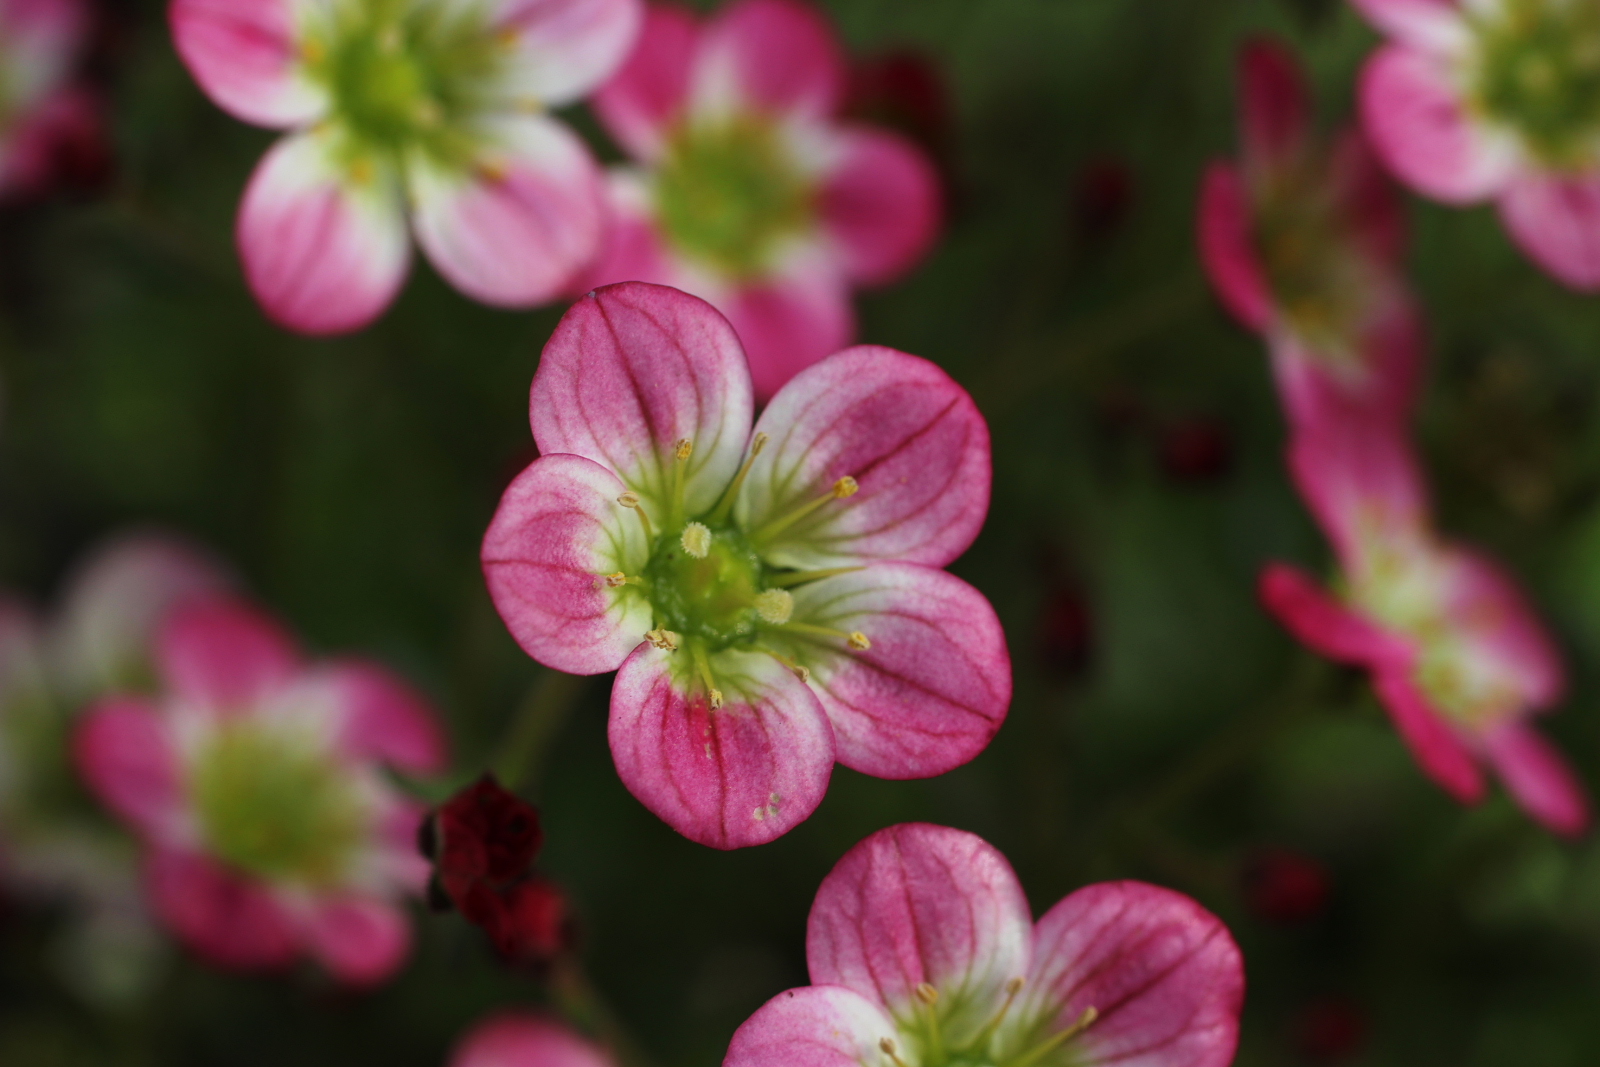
(1315, 276)
(711, 598)
(729, 193)
(272, 805)
(1540, 74)
(935, 1033)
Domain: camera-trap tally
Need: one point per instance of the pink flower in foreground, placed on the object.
(1496, 100)
(255, 781)
(432, 110)
(774, 603)
(923, 954)
(1302, 241)
(1457, 656)
(42, 113)
(514, 1040)
(748, 190)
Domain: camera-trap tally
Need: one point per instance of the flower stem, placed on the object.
(578, 999)
(538, 719)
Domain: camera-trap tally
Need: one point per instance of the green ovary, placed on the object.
(1540, 74)
(273, 807)
(712, 599)
(729, 193)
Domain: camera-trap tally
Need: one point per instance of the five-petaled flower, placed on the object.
(748, 190)
(512, 1039)
(43, 114)
(923, 953)
(429, 108)
(774, 601)
(255, 782)
(1302, 241)
(1475, 100)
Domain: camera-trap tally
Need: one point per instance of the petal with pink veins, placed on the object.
(248, 57)
(515, 1040)
(223, 655)
(931, 691)
(1375, 379)
(124, 753)
(386, 720)
(880, 204)
(1163, 974)
(1539, 778)
(226, 919)
(640, 106)
(563, 49)
(814, 1026)
(1226, 226)
(1357, 471)
(361, 941)
(1432, 25)
(1326, 626)
(740, 775)
(1485, 601)
(1555, 219)
(1274, 105)
(773, 56)
(557, 533)
(1433, 742)
(791, 320)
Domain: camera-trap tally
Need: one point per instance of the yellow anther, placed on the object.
(716, 699)
(845, 488)
(617, 580)
(1014, 987)
(630, 499)
(313, 51)
(696, 540)
(775, 605)
(858, 641)
(362, 171)
(492, 170)
(683, 449)
(927, 994)
(757, 443)
(890, 1049)
(664, 639)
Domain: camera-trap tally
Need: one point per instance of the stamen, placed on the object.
(799, 670)
(682, 449)
(927, 994)
(725, 505)
(843, 489)
(313, 51)
(930, 1000)
(703, 665)
(696, 540)
(1012, 987)
(775, 606)
(887, 1046)
(1055, 1041)
(664, 639)
(857, 640)
(794, 578)
(630, 499)
(616, 581)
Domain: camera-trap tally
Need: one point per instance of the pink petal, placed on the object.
(645, 100)
(934, 687)
(1422, 126)
(1539, 778)
(631, 370)
(1367, 198)
(227, 919)
(633, 249)
(1555, 219)
(1484, 600)
(791, 321)
(513, 231)
(880, 204)
(917, 903)
(1320, 390)
(911, 438)
(221, 654)
(386, 720)
(246, 55)
(566, 48)
(1163, 973)
(1227, 248)
(741, 775)
(48, 141)
(361, 941)
(1434, 25)
(815, 1026)
(514, 1040)
(124, 753)
(1274, 108)
(1325, 625)
(1434, 744)
(324, 251)
(1357, 471)
(558, 531)
(776, 56)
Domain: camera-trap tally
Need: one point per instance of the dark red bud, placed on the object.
(1285, 888)
(903, 90)
(1196, 450)
(485, 832)
(1102, 200)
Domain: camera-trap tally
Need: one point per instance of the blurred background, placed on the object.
(1163, 728)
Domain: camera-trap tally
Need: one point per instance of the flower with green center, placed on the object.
(427, 110)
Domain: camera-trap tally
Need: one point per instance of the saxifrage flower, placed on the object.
(747, 188)
(255, 782)
(923, 953)
(1302, 240)
(513, 1039)
(432, 110)
(774, 602)
(1477, 100)
(43, 112)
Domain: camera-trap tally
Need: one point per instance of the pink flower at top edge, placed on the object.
(748, 189)
(44, 113)
(923, 953)
(1466, 107)
(522, 1040)
(254, 780)
(505, 200)
(1301, 240)
(774, 602)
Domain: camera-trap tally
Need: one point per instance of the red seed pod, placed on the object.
(1284, 887)
(483, 833)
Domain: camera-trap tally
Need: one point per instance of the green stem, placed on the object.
(538, 719)
(578, 999)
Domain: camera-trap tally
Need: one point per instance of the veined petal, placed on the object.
(1227, 248)
(360, 940)
(558, 532)
(790, 321)
(740, 775)
(565, 48)
(247, 56)
(632, 370)
(912, 439)
(221, 654)
(646, 98)
(1433, 742)
(633, 249)
(917, 903)
(1378, 385)
(1358, 474)
(514, 1040)
(933, 688)
(1505, 628)
(1539, 778)
(1434, 25)
(325, 250)
(512, 230)
(1163, 974)
(124, 753)
(385, 720)
(1325, 625)
(226, 919)
(815, 1026)
(880, 204)
(1555, 219)
(1274, 105)
(774, 56)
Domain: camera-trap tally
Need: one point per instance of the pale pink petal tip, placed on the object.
(1556, 221)
(518, 1040)
(388, 721)
(1539, 778)
(361, 942)
(124, 753)
(777, 55)
(565, 50)
(816, 1026)
(246, 56)
(1432, 25)
(220, 653)
(881, 205)
(1227, 248)
(227, 920)
(647, 96)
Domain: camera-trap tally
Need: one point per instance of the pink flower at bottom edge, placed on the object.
(512, 1039)
(922, 952)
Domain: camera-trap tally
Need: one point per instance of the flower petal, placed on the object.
(917, 903)
(361, 941)
(1163, 973)
(513, 230)
(814, 1026)
(1421, 125)
(741, 775)
(515, 1040)
(1227, 248)
(565, 48)
(1274, 105)
(224, 655)
(224, 918)
(1366, 197)
(646, 98)
(790, 321)
(1321, 389)
(42, 39)
(1434, 744)
(631, 370)
(325, 252)
(880, 204)
(124, 753)
(558, 531)
(386, 720)
(933, 689)
(246, 55)
(633, 249)
(912, 439)
(1539, 778)
(1435, 25)
(1555, 219)
(1325, 625)
(774, 56)
(1504, 628)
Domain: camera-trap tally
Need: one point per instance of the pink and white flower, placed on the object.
(1477, 100)
(1302, 241)
(923, 953)
(42, 110)
(748, 190)
(255, 782)
(427, 110)
(519, 1040)
(774, 602)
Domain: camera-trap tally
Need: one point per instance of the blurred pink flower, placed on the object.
(516, 1040)
(1496, 100)
(254, 780)
(43, 113)
(434, 111)
(1302, 240)
(775, 602)
(923, 952)
(748, 190)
